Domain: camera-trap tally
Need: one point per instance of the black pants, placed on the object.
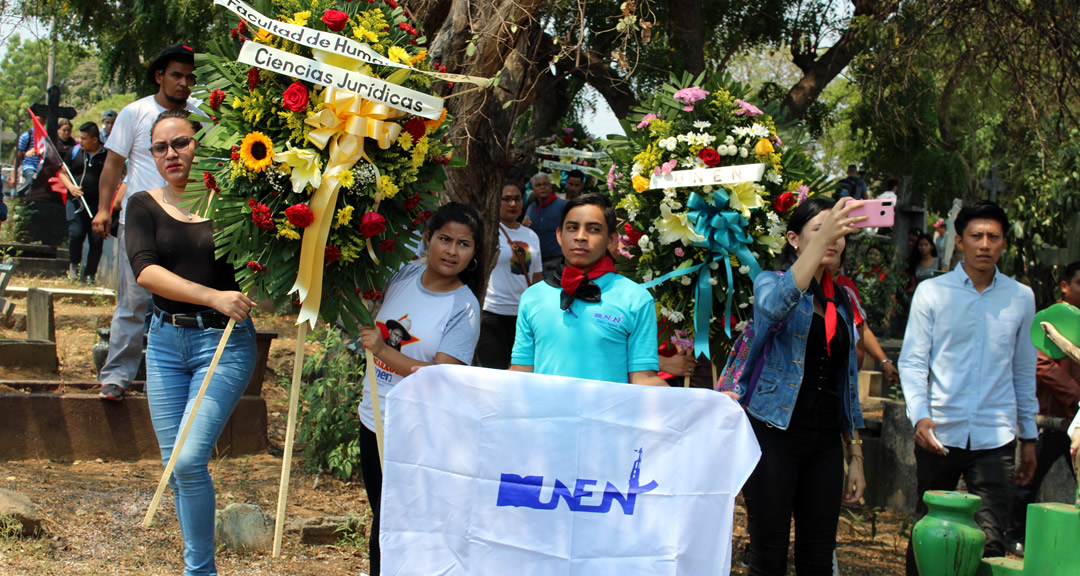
(78, 230)
(1053, 444)
(496, 340)
(987, 473)
(800, 474)
(371, 470)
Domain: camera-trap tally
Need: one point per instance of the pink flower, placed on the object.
(568, 130)
(645, 121)
(668, 166)
(611, 178)
(690, 95)
(747, 109)
(681, 340)
(679, 252)
(804, 192)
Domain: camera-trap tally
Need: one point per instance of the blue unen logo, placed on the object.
(524, 491)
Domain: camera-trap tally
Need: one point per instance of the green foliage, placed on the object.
(23, 75)
(351, 535)
(10, 528)
(329, 424)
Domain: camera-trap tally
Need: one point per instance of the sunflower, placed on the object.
(257, 151)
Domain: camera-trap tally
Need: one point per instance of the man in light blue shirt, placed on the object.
(968, 373)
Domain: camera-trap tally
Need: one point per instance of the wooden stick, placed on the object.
(179, 444)
(374, 386)
(290, 433)
(1067, 347)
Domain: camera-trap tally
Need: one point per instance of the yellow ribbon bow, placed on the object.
(344, 122)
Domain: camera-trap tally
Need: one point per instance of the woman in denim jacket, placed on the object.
(806, 401)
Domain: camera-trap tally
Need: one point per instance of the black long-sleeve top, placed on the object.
(183, 248)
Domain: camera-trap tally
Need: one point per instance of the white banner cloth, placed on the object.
(498, 472)
(707, 176)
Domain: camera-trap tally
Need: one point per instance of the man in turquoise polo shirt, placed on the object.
(588, 321)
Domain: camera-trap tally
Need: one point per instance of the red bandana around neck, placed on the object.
(829, 290)
(545, 203)
(572, 277)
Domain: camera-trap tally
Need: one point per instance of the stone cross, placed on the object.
(52, 111)
(993, 185)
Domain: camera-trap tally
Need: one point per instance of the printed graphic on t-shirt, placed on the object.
(396, 332)
(521, 254)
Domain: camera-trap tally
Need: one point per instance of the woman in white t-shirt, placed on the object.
(518, 267)
(429, 315)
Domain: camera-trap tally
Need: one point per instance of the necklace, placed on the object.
(165, 198)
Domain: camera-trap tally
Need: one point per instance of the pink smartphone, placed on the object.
(879, 214)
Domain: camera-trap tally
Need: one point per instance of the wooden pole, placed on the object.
(179, 445)
(290, 432)
(374, 386)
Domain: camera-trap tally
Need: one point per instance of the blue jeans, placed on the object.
(176, 363)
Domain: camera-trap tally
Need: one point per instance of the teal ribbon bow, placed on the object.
(725, 234)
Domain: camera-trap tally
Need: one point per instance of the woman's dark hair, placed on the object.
(982, 210)
(802, 214)
(175, 113)
(463, 214)
(591, 200)
(514, 183)
(915, 258)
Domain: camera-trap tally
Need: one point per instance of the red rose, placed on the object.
(372, 224)
(416, 128)
(335, 20)
(216, 98)
(255, 266)
(331, 253)
(386, 246)
(784, 202)
(295, 97)
(253, 78)
(709, 156)
(568, 139)
(632, 234)
(300, 215)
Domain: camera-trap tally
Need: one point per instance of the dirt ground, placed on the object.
(94, 509)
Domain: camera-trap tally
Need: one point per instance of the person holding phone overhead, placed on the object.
(805, 403)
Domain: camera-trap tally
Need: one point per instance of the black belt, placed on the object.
(201, 320)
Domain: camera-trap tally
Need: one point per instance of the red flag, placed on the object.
(50, 158)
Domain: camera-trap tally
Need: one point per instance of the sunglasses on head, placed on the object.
(179, 144)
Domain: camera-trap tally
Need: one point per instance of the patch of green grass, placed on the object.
(351, 536)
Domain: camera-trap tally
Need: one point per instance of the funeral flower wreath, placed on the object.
(702, 183)
(320, 188)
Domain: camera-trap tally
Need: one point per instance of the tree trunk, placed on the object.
(685, 24)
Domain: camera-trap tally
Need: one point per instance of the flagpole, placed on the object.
(62, 164)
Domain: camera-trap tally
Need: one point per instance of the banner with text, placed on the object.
(330, 42)
(392, 95)
(566, 167)
(708, 176)
(547, 475)
(571, 153)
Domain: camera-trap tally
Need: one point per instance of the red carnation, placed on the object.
(568, 139)
(784, 202)
(300, 215)
(412, 202)
(386, 246)
(255, 266)
(260, 215)
(235, 153)
(210, 182)
(632, 234)
(391, 3)
(416, 128)
(372, 295)
(241, 26)
(253, 78)
(332, 253)
(335, 20)
(372, 224)
(709, 156)
(295, 97)
(216, 98)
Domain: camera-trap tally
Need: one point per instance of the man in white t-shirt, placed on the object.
(173, 72)
(518, 267)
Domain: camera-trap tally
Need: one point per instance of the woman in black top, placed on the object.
(172, 255)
